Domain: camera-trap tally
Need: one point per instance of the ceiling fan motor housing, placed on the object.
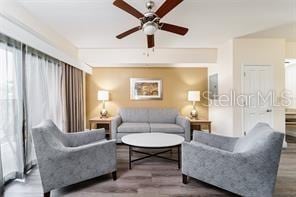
(150, 23)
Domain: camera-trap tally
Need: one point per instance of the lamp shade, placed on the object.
(103, 95)
(193, 96)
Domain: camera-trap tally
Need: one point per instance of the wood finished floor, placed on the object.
(149, 178)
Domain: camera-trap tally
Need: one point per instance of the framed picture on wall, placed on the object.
(145, 89)
(213, 86)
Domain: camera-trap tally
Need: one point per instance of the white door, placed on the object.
(258, 88)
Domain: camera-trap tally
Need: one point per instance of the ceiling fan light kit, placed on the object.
(150, 28)
(150, 21)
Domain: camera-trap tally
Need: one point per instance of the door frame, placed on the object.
(243, 91)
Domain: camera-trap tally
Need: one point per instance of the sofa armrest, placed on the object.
(221, 142)
(185, 123)
(116, 121)
(84, 137)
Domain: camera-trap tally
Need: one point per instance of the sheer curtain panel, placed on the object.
(43, 93)
(11, 108)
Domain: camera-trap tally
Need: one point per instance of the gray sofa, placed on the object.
(68, 158)
(145, 120)
(246, 166)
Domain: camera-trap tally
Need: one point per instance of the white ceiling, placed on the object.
(287, 31)
(95, 23)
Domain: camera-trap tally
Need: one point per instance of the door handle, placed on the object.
(269, 110)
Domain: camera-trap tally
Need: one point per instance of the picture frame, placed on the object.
(145, 89)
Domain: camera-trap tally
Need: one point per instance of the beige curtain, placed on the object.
(73, 99)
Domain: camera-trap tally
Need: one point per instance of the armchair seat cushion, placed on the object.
(132, 127)
(166, 128)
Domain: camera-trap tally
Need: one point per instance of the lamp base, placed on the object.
(193, 114)
(103, 113)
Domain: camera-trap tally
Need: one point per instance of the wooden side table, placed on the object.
(101, 123)
(196, 124)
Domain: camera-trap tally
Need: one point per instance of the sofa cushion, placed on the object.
(134, 115)
(131, 127)
(166, 128)
(162, 115)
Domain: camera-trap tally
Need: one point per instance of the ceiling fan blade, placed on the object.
(173, 28)
(128, 32)
(166, 7)
(150, 41)
(128, 8)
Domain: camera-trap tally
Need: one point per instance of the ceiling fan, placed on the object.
(150, 21)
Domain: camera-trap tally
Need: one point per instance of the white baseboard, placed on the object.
(285, 144)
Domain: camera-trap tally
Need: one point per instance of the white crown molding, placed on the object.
(160, 57)
(184, 65)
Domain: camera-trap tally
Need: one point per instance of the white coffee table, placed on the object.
(152, 141)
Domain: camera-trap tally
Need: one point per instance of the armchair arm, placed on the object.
(103, 145)
(84, 137)
(221, 142)
(185, 123)
(116, 121)
(106, 147)
(200, 156)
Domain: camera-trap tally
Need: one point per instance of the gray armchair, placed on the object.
(65, 159)
(246, 166)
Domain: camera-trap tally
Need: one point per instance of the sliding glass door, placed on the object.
(11, 109)
(33, 88)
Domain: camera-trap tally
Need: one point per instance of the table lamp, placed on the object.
(193, 96)
(103, 95)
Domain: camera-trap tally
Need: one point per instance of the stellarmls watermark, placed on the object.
(270, 98)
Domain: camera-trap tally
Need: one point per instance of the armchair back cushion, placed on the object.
(48, 135)
(257, 139)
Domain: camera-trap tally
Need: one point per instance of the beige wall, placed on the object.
(291, 50)
(260, 52)
(222, 116)
(176, 83)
